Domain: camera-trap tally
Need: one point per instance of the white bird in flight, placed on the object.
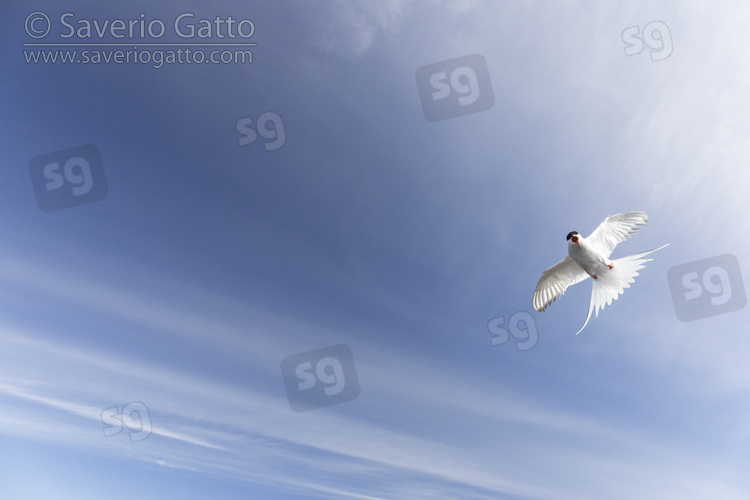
(590, 257)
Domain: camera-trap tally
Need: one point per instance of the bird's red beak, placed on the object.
(575, 240)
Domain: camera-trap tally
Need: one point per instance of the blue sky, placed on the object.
(208, 263)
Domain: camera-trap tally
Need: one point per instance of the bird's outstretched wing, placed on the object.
(556, 280)
(614, 229)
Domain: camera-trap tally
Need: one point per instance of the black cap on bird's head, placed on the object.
(573, 236)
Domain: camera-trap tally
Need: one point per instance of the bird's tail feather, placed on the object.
(609, 286)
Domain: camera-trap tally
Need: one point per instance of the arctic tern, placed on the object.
(589, 257)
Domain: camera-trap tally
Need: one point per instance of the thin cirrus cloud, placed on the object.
(195, 415)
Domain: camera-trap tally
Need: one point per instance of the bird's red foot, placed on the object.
(609, 266)
(595, 276)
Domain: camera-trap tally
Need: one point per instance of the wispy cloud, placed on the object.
(217, 427)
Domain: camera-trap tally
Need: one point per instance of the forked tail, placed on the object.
(611, 284)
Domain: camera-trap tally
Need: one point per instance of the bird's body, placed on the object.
(590, 260)
(589, 257)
